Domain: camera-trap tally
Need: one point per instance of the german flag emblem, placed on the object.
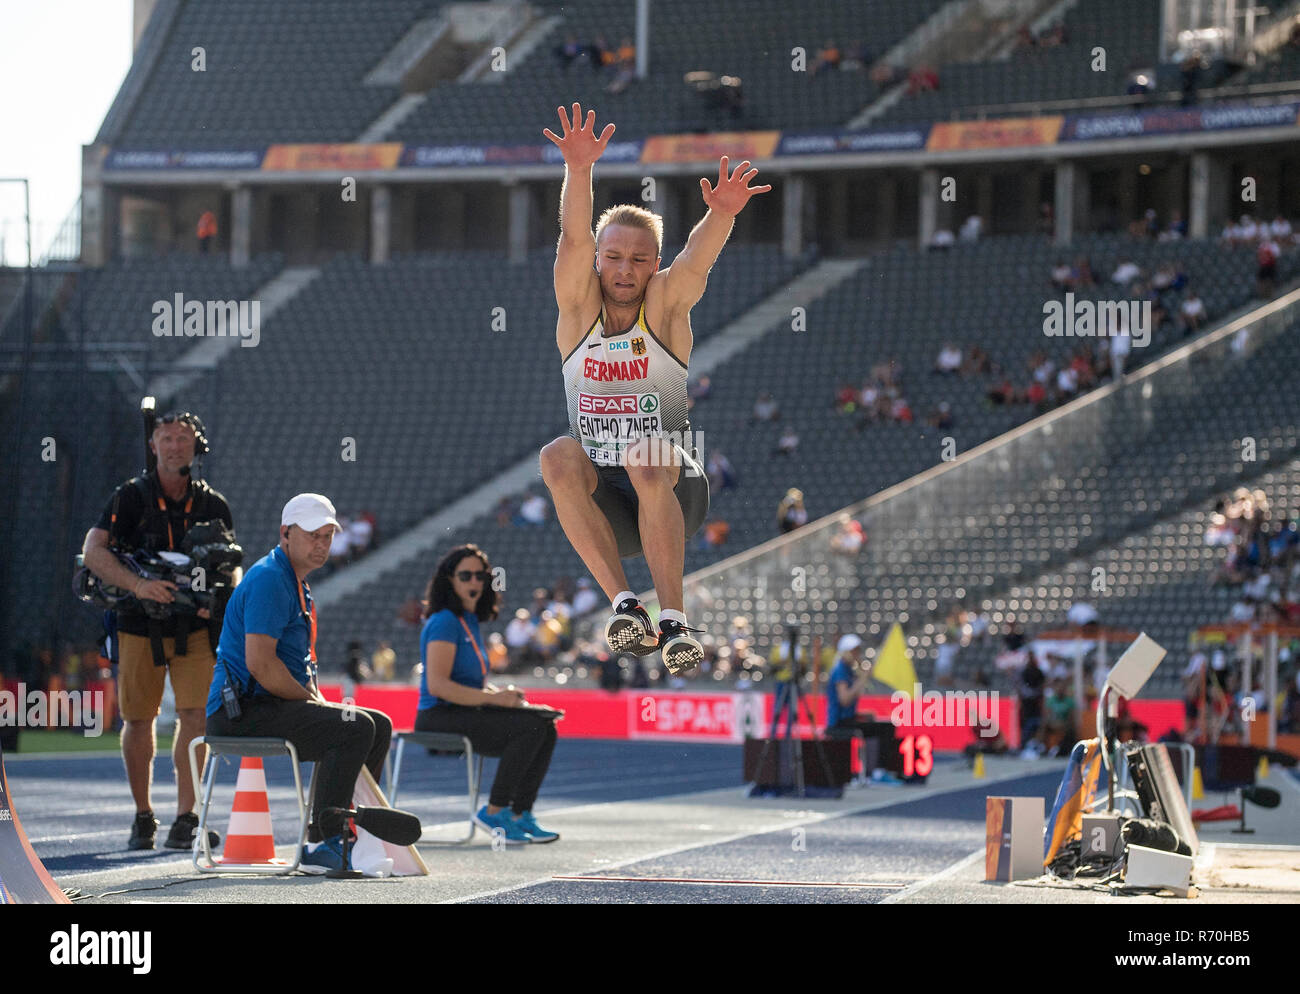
(638, 346)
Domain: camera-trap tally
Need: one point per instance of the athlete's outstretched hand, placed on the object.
(732, 192)
(579, 145)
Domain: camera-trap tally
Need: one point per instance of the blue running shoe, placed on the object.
(535, 832)
(501, 826)
(321, 857)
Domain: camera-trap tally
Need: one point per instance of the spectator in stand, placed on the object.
(585, 598)
(1083, 277)
(1266, 277)
(790, 513)
(340, 545)
(765, 408)
(519, 637)
(1002, 392)
(787, 443)
(1067, 384)
(383, 663)
(828, 57)
(1063, 276)
(570, 51)
(1030, 693)
(885, 75)
(971, 228)
(721, 474)
(941, 417)
(1280, 228)
(1083, 364)
(1176, 230)
(1046, 219)
(1120, 346)
(355, 670)
(976, 363)
(533, 512)
(1191, 315)
(846, 398)
(949, 359)
(943, 239)
(1053, 36)
(1247, 230)
(900, 411)
(1126, 272)
(360, 531)
(1036, 396)
(949, 644)
(850, 539)
(857, 57)
(504, 512)
(599, 53)
(207, 231)
(700, 389)
(624, 67)
(922, 79)
(715, 533)
(1191, 78)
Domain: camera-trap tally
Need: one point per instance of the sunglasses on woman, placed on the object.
(465, 575)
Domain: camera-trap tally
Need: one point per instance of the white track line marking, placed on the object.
(730, 883)
(785, 824)
(953, 870)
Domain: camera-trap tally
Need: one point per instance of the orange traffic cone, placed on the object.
(249, 841)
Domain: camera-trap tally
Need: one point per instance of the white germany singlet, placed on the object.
(623, 386)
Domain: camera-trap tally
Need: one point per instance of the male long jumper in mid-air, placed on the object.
(627, 480)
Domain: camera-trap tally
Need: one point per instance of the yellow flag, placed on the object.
(894, 664)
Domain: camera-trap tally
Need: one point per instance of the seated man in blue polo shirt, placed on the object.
(267, 659)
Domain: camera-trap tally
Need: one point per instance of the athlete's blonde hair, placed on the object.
(631, 216)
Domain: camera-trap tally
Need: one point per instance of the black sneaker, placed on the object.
(630, 629)
(143, 831)
(183, 831)
(680, 651)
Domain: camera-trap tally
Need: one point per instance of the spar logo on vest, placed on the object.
(607, 423)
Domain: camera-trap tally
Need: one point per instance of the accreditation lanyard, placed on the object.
(185, 520)
(481, 661)
(310, 617)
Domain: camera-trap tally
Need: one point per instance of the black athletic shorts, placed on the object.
(617, 498)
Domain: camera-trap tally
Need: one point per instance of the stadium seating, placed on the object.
(290, 71)
(1128, 33)
(757, 47)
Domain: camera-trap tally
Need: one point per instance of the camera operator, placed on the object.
(156, 632)
(265, 684)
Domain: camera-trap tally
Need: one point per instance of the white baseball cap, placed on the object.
(847, 643)
(309, 512)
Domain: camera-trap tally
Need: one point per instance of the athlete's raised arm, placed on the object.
(685, 279)
(576, 252)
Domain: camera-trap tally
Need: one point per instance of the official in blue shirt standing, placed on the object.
(264, 683)
(455, 696)
(846, 685)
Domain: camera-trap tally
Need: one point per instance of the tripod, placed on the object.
(791, 697)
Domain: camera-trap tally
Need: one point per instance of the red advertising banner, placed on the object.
(739, 145)
(684, 716)
(1010, 132)
(332, 158)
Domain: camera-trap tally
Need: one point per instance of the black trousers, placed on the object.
(340, 740)
(523, 740)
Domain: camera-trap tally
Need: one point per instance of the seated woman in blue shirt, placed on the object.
(456, 697)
